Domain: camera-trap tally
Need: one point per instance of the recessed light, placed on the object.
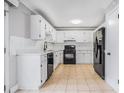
(76, 21)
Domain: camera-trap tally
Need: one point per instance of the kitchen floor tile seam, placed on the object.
(89, 86)
(86, 84)
(70, 90)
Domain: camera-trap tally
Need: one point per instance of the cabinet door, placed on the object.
(61, 57)
(55, 60)
(88, 58)
(71, 35)
(79, 36)
(54, 35)
(59, 37)
(43, 68)
(58, 59)
(42, 25)
(37, 29)
(80, 58)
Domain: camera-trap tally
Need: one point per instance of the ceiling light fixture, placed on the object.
(76, 21)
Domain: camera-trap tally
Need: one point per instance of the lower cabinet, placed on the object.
(44, 68)
(84, 57)
(58, 58)
(31, 71)
(61, 57)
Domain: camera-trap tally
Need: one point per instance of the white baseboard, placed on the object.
(113, 84)
(14, 89)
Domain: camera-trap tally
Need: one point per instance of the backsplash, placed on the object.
(19, 43)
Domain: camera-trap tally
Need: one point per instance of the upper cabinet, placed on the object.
(78, 36)
(41, 29)
(37, 27)
(50, 34)
(60, 36)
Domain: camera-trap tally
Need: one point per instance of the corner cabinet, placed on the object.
(38, 27)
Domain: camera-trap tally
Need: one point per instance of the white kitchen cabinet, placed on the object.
(44, 68)
(80, 57)
(31, 71)
(60, 36)
(86, 36)
(84, 57)
(70, 35)
(50, 37)
(38, 27)
(61, 57)
(78, 36)
(41, 29)
(58, 58)
(88, 58)
(50, 33)
(54, 34)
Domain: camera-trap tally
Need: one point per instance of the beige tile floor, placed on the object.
(74, 79)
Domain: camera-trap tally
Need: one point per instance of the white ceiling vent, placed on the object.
(13, 2)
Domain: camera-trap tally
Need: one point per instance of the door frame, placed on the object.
(6, 47)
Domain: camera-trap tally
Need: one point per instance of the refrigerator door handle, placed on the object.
(108, 53)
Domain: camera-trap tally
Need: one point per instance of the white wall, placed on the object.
(112, 46)
(19, 27)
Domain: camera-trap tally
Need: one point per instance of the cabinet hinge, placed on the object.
(4, 88)
(118, 81)
(118, 16)
(4, 50)
(41, 81)
(5, 11)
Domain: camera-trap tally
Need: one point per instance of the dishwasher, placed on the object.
(49, 64)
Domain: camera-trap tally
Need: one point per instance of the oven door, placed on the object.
(69, 56)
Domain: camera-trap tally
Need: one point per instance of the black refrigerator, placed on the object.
(99, 52)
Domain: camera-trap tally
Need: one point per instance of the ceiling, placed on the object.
(61, 12)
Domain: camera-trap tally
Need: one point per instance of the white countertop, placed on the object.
(34, 52)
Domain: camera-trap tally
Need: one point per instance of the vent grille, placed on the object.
(69, 40)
